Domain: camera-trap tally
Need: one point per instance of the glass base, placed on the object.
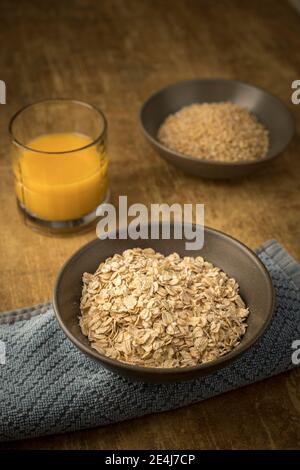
(61, 227)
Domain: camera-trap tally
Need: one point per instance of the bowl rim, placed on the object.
(159, 371)
(155, 142)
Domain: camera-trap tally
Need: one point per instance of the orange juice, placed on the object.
(57, 186)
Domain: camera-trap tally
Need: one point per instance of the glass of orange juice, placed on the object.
(60, 163)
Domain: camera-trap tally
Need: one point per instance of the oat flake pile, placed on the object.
(147, 309)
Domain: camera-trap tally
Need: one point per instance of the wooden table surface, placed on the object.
(114, 53)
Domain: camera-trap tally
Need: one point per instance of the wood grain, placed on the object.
(114, 53)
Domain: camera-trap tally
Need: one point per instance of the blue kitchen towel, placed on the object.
(48, 386)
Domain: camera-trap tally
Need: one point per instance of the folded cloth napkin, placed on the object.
(48, 386)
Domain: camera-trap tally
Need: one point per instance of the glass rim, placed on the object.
(51, 100)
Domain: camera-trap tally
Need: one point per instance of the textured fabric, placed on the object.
(48, 386)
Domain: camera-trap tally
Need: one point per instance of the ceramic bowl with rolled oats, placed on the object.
(154, 311)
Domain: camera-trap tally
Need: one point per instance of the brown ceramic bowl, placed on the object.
(224, 251)
(268, 109)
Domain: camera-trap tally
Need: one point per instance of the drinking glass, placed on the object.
(60, 163)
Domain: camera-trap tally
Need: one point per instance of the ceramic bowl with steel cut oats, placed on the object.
(151, 310)
(217, 128)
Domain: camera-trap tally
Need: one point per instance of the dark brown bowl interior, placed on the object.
(269, 110)
(227, 253)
